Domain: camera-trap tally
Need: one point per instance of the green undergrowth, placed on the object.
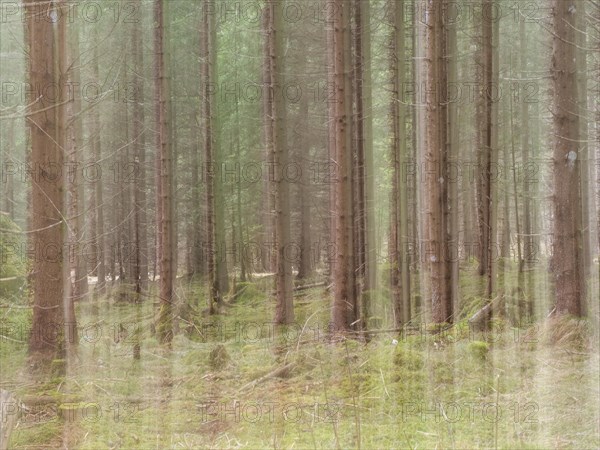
(238, 381)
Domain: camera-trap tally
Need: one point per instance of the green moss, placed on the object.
(479, 349)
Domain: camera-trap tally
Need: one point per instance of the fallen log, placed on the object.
(281, 372)
(305, 287)
(481, 319)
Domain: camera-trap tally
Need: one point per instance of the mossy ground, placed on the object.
(509, 388)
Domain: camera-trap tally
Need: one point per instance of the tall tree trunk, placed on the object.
(47, 125)
(400, 276)
(585, 166)
(140, 269)
(331, 92)
(367, 95)
(97, 207)
(566, 245)
(75, 151)
(219, 205)
(164, 227)
(304, 190)
(488, 154)
(275, 122)
(359, 202)
(208, 47)
(453, 150)
(528, 241)
(344, 304)
(434, 157)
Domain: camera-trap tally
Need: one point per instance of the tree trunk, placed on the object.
(434, 147)
(369, 181)
(567, 245)
(305, 192)
(453, 150)
(164, 227)
(75, 151)
(98, 199)
(140, 269)
(47, 125)
(344, 312)
(275, 122)
(210, 142)
(400, 276)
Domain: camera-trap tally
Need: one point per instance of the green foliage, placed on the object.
(408, 359)
(479, 349)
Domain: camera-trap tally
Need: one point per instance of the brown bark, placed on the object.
(209, 160)
(400, 279)
(344, 312)
(566, 245)
(434, 158)
(47, 125)
(75, 192)
(164, 227)
(275, 121)
(140, 231)
(97, 206)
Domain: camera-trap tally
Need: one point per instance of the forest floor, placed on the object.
(236, 381)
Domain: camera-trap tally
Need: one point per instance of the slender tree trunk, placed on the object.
(208, 47)
(434, 158)
(400, 276)
(567, 245)
(528, 241)
(274, 126)
(359, 203)
(451, 173)
(99, 241)
(167, 272)
(369, 188)
(305, 194)
(585, 166)
(482, 119)
(140, 271)
(219, 205)
(332, 95)
(344, 312)
(75, 196)
(238, 195)
(488, 154)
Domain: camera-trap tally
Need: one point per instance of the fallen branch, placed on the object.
(309, 286)
(480, 320)
(281, 372)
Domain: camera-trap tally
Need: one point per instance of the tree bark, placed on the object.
(167, 266)
(566, 246)
(344, 304)
(47, 125)
(140, 269)
(400, 276)
(434, 151)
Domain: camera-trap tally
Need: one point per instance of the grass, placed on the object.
(531, 387)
